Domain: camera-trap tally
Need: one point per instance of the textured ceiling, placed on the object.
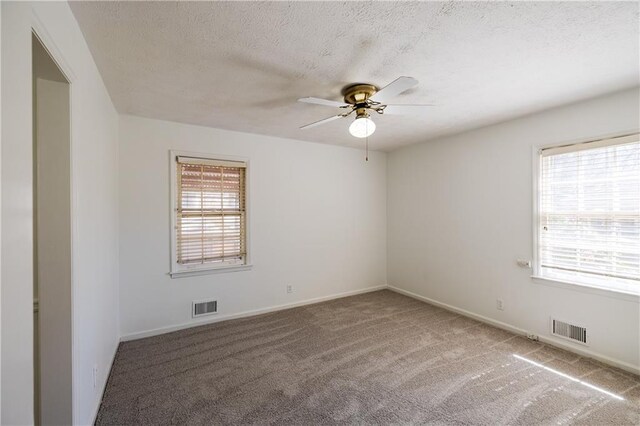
(242, 65)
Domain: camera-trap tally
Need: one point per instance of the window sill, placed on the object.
(588, 288)
(218, 270)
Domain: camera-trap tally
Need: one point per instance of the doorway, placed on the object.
(52, 240)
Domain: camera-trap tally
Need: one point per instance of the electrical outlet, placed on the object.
(289, 288)
(533, 337)
(500, 304)
(524, 263)
(95, 376)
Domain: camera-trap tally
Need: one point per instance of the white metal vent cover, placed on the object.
(204, 307)
(573, 332)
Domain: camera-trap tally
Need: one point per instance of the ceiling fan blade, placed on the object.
(394, 88)
(324, 120)
(325, 102)
(406, 109)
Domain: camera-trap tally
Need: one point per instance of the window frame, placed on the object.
(178, 270)
(602, 286)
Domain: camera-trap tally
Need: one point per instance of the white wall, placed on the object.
(317, 221)
(0, 215)
(94, 133)
(17, 225)
(460, 214)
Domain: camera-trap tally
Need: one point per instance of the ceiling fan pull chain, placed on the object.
(366, 143)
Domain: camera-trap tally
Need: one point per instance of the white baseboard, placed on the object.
(583, 352)
(218, 318)
(505, 326)
(104, 385)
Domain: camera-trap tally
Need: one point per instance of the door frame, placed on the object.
(40, 31)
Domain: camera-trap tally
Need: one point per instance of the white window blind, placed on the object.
(589, 213)
(210, 213)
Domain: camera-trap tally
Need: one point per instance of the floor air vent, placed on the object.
(207, 307)
(572, 332)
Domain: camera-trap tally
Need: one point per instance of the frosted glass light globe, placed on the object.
(362, 127)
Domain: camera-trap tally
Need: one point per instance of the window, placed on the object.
(589, 214)
(209, 214)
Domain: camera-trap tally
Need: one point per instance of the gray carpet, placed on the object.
(376, 358)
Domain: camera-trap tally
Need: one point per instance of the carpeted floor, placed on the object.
(376, 358)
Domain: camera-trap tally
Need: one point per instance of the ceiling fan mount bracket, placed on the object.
(358, 93)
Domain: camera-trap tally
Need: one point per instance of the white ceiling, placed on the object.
(242, 65)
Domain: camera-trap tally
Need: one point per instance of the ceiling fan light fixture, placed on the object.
(361, 99)
(362, 127)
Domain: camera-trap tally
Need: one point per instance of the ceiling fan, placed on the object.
(364, 98)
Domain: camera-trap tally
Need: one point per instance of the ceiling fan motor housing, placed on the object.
(358, 93)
